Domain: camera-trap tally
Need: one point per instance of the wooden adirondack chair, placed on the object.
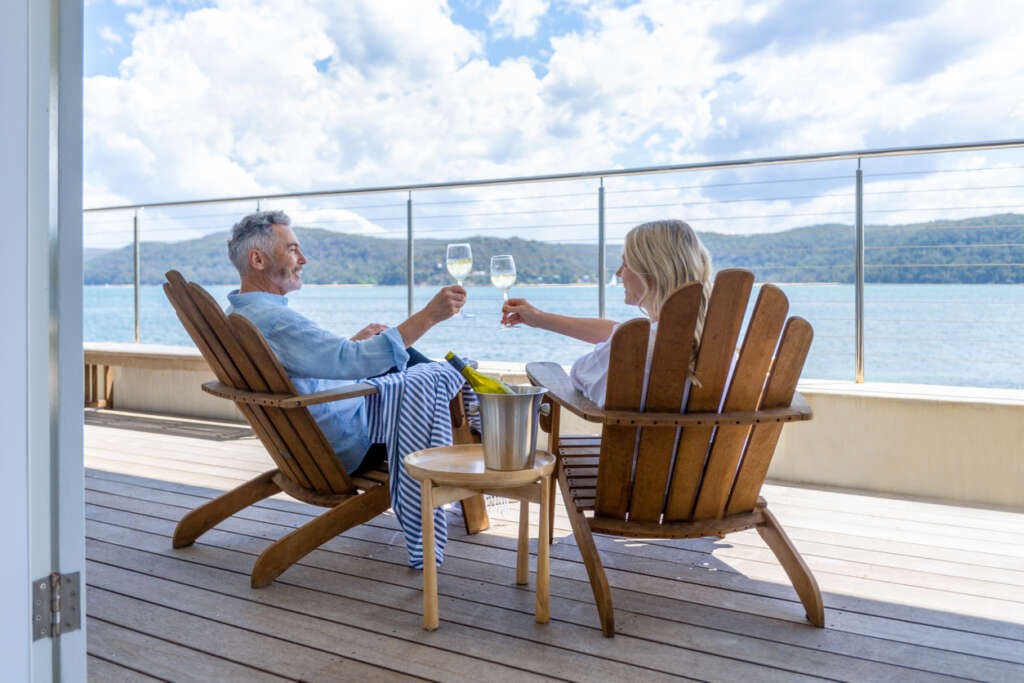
(620, 485)
(307, 469)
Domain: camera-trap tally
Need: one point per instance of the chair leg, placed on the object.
(591, 560)
(474, 510)
(290, 549)
(206, 516)
(799, 573)
(551, 509)
(474, 514)
(543, 592)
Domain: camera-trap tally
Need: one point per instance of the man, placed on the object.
(269, 260)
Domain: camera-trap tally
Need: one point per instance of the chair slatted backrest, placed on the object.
(220, 362)
(664, 395)
(629, 349)
(241, 359)
(705, 472)
(721, 329)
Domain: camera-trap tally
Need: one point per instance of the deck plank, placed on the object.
(164, 659)
(573, 600)
(479, 589)
(696, 584)
(101, 670)
(913, 590)
(281, 640)
(318, 594)
(713, 570)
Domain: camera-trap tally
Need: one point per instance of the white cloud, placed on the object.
(340, 220)
(228, 100)
(108, 35)
(518, 18)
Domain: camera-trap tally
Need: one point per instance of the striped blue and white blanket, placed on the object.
(410, 413)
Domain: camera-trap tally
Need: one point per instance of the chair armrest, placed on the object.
(799, 410)
(560, 390)
(286, 401)
(552, 377)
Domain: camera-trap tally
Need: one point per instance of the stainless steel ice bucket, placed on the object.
(509, 425)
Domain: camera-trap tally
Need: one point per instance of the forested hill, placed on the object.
(988, 249)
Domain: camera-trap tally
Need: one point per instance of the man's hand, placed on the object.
(445, 303)
(368, 331)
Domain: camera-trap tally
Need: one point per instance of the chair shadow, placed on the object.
(169, 425)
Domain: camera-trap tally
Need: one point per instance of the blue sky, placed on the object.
(187, 99)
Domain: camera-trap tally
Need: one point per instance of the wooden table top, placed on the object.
(463, 465)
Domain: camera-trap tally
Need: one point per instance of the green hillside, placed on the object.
(934, 252)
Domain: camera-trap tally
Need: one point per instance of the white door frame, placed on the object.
(41, 470)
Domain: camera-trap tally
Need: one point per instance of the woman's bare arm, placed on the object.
(593, 330)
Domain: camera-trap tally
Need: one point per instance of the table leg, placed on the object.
(523, 553)
(543, 609)
(429, 561)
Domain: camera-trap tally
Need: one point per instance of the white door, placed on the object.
(41, 497)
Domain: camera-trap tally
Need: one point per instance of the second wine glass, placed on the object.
(503, 274)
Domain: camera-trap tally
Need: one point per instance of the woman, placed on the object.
(657, 258)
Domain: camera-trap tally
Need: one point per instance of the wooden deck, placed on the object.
(913, 591)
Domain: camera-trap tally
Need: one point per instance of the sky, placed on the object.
(189, 99)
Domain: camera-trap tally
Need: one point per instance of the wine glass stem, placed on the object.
(505, 294)
(462, 313)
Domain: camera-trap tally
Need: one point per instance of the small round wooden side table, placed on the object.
(453, 473)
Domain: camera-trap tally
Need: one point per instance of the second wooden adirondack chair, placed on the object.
(634, 481)
(307, 469)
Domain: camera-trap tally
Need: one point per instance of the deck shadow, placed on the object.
(168, 425)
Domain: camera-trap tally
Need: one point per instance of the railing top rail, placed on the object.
(607, 173)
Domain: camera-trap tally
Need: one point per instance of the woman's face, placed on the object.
(632, 283)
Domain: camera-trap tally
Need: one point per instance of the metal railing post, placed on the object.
(135, 243)
(859, 277)
(601, 256)
(409, 255)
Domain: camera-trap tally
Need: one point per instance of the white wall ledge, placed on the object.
(914, 392)
(890, 390)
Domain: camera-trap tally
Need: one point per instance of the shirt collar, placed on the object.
(241, 299)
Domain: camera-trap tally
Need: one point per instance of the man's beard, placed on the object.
(284, 275)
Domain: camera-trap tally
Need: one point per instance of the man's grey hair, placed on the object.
(254, 232)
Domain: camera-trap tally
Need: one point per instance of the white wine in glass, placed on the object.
(459, 261)
(503, 274)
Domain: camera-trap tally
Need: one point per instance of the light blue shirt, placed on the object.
(317, 360)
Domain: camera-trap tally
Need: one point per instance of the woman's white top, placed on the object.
(589, 373)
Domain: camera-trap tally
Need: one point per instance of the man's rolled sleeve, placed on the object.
(399, 356)
(308, 350)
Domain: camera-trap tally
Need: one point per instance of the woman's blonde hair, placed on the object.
(667, 254)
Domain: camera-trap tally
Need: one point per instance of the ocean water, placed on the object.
(965, 335)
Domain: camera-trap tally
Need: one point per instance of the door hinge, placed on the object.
(56, 609)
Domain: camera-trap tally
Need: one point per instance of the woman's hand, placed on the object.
(515, 311)
(368, 331)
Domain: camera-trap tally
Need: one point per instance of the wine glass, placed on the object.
(503, 274)
(459, 261)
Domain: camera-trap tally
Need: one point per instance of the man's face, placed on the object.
(284, 269)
